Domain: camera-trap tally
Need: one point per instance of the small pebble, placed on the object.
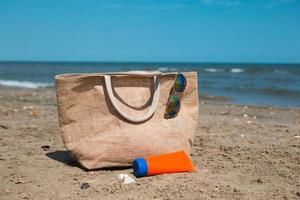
(126, 179)
(225, 112)
(3, 126)
(84, 186)
(28, 107)
(19, 182)
(45, 147)
(259, 180)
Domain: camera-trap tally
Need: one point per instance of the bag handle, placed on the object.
(156, 91)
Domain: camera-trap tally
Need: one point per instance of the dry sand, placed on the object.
(241, 152)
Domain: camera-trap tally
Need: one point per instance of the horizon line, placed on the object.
(161, 62)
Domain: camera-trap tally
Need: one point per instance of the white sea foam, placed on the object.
(212, 70)
(174, 69)
(236, 70)
(163, 69)
(24, 84)
(168, 69)
(279, 71)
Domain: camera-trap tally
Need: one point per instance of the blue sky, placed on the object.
(144, 30)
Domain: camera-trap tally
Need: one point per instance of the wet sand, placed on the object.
(242, 152)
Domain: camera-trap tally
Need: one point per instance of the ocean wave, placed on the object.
(270, 91)
(163, 69)
(24, 84)
(174, 69)
(168, 69)
(279, 71)
(212, 70)
(236, 70)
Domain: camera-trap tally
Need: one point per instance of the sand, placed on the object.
(242, 152)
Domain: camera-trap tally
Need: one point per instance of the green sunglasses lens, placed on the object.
(173, 106)
(180, 83)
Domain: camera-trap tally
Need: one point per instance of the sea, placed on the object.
(239, 83)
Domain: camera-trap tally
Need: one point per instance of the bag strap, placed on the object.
(138, 73)
(156, 91)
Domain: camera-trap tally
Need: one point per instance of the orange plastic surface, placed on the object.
(169, 163)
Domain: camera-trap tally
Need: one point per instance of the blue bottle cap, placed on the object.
(140, 167)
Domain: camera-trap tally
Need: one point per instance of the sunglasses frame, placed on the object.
(173, 92)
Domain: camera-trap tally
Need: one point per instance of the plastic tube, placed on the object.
(161, 164)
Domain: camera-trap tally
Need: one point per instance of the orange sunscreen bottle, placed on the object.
(161, 164)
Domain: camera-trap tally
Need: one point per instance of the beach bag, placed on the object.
(109, 119)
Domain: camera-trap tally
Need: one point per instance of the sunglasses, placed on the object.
(173, 105)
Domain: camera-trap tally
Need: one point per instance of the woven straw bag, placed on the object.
(109, 119)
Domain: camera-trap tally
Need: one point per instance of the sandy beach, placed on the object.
(241, 152)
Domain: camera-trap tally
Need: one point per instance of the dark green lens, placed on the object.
(180, 83)
(173, 106)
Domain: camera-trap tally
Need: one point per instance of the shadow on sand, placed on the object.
(66, 158)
